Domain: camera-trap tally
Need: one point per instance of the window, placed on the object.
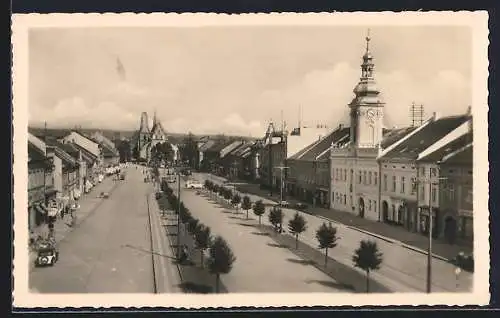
(385, 182)
(402, 184)
(370, 177)
(422, 192)
(375, 181)
(374, 206)
(350, 200)
(451, 191)
(364, 177)
(433, 172)
(345, 174)
(433, 194)
(413, 185)
(422, 171)
(359, 177)
(393, 183)
(345, 199)
(369, 205)
(352, 176)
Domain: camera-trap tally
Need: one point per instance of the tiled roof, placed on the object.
(218, 146)
(448, 149)
(59, 149)
(207, 145)
(85, 152)
(422, 139)
(318, 148)
(463, 156)
(35, 154)
(393, 135)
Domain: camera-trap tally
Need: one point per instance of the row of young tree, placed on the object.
(220, 256)
(366, 257)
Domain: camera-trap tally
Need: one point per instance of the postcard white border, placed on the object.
(477, 21)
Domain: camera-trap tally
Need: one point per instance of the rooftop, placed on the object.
(448, 148)
(425, 137)
(463, 156)
(393, 135)
(313, 151)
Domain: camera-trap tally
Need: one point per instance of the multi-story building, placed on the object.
(354, 168)
(400, 171)
(447, 172)
(38, 165)
(308, 174)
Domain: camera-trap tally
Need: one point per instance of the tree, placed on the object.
(276, 218)
(202, 239)
(246, 204)
(124, 149)
(259, 209)
(221, 259)
(296, 226)
(227, 194)
(193, 225)
(327, 238)
(368, 258)
(189, 151)
(236, 200)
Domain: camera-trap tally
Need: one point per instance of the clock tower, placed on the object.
(367, 107)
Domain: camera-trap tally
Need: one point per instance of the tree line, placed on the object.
(220, 256)
(366, 257)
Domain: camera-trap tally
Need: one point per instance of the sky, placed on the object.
(235, 79)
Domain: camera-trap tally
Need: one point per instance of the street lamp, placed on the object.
(430, 227)
(281, 168)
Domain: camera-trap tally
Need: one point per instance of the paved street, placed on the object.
(109, 252)
(403, 270)
(260, 266)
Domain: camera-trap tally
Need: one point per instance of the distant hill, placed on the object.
(174, 138)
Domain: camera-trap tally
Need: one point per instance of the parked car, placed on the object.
(300, 206)
(194, 185)
(47, 255)
(284, 204)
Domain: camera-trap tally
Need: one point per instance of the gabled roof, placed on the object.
(229, 148)
(448, 148)
(463, 156)
(35, 154)
(220, 145)
(390, 136)
(318, 148)
(425, 137)
(87, 155)
(207, 145)
(239, 149)
(59, 149)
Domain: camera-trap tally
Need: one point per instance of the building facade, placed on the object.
(38, 165)
(354, 168)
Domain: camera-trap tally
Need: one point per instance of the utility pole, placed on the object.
(281, 168)
(431, 183)
(416, 115)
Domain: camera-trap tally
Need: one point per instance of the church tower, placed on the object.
(367, 107)
(143, 131)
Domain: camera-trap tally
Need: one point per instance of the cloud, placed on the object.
(76, 112)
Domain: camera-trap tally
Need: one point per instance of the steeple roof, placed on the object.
(366, 91)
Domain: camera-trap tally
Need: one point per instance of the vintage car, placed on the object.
(104, 195)
(47, 254)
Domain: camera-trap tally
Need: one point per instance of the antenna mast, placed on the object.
(416, 114)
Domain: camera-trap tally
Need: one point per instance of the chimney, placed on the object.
(469, 110)
(435, 116)
(341, 127)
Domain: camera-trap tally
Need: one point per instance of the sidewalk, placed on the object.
(410, 240)
(88, 203)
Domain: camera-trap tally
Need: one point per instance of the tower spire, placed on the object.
(368, 41)
(154, 118)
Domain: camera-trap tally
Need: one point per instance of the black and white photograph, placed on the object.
(205, 160)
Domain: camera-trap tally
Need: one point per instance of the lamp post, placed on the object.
(431, 183)
(281, 168)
